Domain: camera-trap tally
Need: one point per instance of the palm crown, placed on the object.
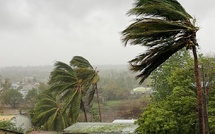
(164, 27)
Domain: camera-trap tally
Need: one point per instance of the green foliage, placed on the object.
(211, 110)
(61, 103)
(112, 91)
(31, 96)
(6, 84)
(183, 103)
(178, 114)
(176, 71)
(95, 115)
(11, 97)
(7, 125)
(164, 27)
(156, 119)
(181, 98)
(48, 114)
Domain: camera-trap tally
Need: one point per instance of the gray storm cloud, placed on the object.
(34, 32)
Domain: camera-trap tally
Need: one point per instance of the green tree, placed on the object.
(65, 83)
(6, 84)
(157, 120)
(211, 111)
(182, 102)
(164, 27)
(31, 96)
(161, 76)
(65, 98)
(7, 125)
(177, 114)
(12, 97)
(83, 65)
(72, 82)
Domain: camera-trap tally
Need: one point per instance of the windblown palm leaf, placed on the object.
(48, 114)
(167, 9)
(62, 73)
(80, 62)
(86, 72)
(164, 27)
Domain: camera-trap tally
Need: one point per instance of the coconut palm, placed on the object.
(65, 83)
(164, 27)
(83, 65)
(71, 83)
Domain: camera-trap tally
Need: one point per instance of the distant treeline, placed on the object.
(17, 73)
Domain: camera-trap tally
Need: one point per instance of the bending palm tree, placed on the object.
(72, 82)
(65, 83)
(82, 64)
(165, 28)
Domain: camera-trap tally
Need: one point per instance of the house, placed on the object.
(20, 121)
(119, 127)
(142, 90)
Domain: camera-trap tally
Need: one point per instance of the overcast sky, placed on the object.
(40, 32)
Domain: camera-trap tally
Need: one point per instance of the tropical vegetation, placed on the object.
(70, 87)
(164, 27)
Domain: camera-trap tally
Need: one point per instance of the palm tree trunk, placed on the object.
(99, 107)
(199, 92)
(84, 110)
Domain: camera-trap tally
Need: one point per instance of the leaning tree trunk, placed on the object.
(98, 101)
(84, 110)
(199, 92)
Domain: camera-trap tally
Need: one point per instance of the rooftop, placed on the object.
(100, 127)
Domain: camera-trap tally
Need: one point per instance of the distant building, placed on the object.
(142, 90)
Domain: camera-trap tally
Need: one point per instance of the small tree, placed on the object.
(12, 97)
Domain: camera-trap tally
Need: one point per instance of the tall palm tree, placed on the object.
(70, 89)
(164, 27)
(83, 65)
(72, 82)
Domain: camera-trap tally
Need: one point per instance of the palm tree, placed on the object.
(65, 83)
(72, 82)
(83, 65)
(164, 27)
(48, 113)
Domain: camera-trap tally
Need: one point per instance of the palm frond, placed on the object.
(164, 27)
(91, 93)
(59, 88)
(80, 62)
(60, 75)
(69, 98)
(149, 32)
(75, 107)
(168, 9)
(154, 57)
